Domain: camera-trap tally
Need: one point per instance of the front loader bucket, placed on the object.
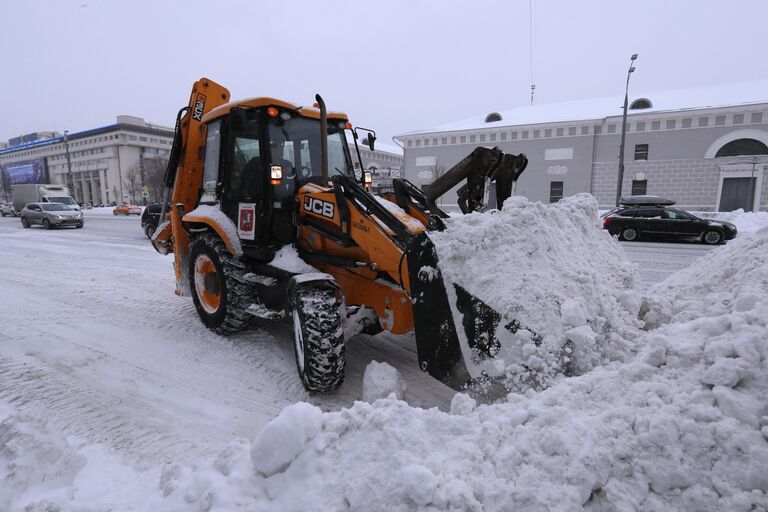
(456, 332)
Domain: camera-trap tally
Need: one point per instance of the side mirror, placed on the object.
(371, 140)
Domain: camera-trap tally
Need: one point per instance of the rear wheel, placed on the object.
(629, 234)
(220, 298)
(2, 213)
(712, 237)
(318, 338)
(24, 222)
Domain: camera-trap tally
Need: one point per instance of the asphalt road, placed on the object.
(657, 261)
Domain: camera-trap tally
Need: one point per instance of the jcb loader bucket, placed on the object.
(458, 336)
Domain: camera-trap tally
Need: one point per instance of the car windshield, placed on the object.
(53, 207)
(62, 199)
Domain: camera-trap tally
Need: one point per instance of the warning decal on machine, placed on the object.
(246, 227)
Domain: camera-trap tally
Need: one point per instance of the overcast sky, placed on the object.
(393, 66)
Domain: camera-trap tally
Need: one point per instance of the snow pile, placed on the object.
(682, 426)
(381, 380)
(733, 276)
(745, 222)
(553, 273)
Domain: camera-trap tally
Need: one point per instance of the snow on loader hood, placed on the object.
(555, 276)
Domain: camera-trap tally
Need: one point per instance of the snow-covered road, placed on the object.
(92, 333)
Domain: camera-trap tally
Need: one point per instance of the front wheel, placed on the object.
(629, 234)
(318, 337)
(221, 300)
(2, 213)
(47, 224)
(149, 230)
(712, 237)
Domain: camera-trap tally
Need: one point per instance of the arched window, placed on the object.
(640, 104)
(741, 147)
(493, 117)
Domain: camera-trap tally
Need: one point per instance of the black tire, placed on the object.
(24, 222)
(712, 237)
(629, 234)
(80, 225)
(47, 224)
(2, 213)
(318, 338)
(114, 212)
(149, 230)
(228, 314)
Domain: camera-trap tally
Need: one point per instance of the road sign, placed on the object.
(145, 194)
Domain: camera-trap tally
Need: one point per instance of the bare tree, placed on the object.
(132, 182)
(154, 175)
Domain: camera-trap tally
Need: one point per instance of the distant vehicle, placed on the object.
(7, 209)
(127, 209)
(25, 194)
(50, 215)
(150, 218)
(650, 217)
(88, 206)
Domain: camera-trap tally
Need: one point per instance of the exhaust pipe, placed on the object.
(323, 138)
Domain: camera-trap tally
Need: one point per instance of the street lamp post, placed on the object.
(141, 171)
(624, 131)
(70, 181)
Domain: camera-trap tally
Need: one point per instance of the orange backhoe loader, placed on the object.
(255, 181)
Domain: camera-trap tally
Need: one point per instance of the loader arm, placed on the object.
(383, 259)
(479, 168)
(184, 176)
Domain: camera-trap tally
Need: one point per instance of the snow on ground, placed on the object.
(112, 397)
(555, 272)
(683, 426)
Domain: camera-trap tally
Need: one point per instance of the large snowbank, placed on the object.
(556, 272)
(682, 426)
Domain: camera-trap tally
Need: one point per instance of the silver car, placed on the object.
(50, 215)
(7, 209)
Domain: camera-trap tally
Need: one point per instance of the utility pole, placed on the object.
(624, 131)
(70, 180)
(141, 171)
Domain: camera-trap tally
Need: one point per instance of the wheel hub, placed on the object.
(207, 284)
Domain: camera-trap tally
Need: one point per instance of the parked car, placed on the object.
(649, 217)
(151, 218)
(50, 215)
(127, 209)
(7, 209)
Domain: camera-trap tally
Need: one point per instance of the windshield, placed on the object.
(53, 207)
(295, 144)
(62, 199)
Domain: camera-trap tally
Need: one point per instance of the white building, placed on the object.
(100, 159)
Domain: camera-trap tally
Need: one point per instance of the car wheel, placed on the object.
(2, 213)
(712, 237)
(629, 234)
(114, 212)
(47, 224)
(149, 230)
(80, 225)
(24, 222)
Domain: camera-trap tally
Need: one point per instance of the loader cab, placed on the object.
(258, 157)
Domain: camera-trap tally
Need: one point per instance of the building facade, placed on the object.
(101, 160)
(706, 148)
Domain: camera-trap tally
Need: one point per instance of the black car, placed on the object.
(652, 218)
(150, 218)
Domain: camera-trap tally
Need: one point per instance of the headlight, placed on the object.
(58, 217)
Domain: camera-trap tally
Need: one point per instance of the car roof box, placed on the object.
(646, 201)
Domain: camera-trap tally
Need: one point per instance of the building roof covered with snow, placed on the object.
(693, 98)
